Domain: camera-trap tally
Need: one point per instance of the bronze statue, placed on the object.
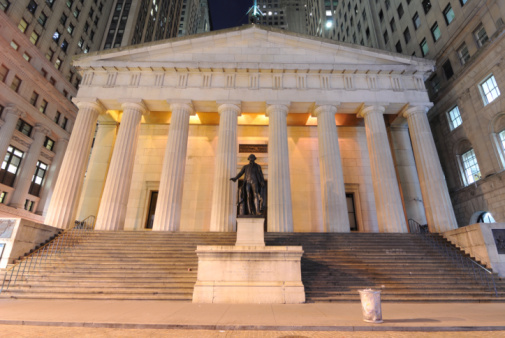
(250, 195)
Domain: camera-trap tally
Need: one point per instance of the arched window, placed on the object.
(497, 131)
(482, 217)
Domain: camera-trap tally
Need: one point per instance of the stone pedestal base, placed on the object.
(248, 274)
(250, 232)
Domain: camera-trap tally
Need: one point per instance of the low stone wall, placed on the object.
(484, 241)
(18, 236)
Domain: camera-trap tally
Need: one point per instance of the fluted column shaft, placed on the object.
(112, 210)
(335, 215)
(63, 205)
(437, 202)
(280, 210)
(11, 117)
(224, 193)
(28, 168)
(390, 215)
(51, 176)
(169, 204)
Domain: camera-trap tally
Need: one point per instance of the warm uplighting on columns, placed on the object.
(437, 202)
(169, 204)
(390, 215)
(224, 194)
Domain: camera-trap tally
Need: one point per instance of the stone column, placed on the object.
(97, 169)
(335, 215)
(51, 176)
(112, 210)
(168, 206)
(280, 210)
(390, 215)
(224, 193)
(437, 202)
(62, 208)
(28, 169)
(407, 173)
(11, 117)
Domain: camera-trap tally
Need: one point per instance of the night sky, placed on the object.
(228, 13)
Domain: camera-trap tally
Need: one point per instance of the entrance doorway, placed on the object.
(152, 208)
(351, 212)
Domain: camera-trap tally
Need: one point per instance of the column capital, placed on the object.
(226, 106)
(40, 128)
(325, 108)
(93, 103)
(277, 107)
(184, 106)
(371, 109)
(12, 109)
(137, 104)
(412, 110)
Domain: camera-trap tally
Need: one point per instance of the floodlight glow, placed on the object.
(329, 24)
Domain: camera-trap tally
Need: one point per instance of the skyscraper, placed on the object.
(284, 14)
(37, 41)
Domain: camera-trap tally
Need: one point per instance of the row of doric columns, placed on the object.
(390, 212)
(29, 163)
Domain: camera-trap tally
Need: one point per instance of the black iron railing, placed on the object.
(480, 273)
(64, 242)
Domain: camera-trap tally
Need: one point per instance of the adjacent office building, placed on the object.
(37, 82)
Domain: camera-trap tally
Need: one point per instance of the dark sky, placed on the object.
(228, 13)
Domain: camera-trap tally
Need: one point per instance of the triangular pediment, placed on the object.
(254, 47)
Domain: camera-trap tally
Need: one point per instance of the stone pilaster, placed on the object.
(62, 209)
(280, 210)
(11, 116)
(168, 207)
(335, 215)
(51, 175)
(28, 167)
(390, 215)
(112, 210)
(439, 211)
(224, 193)
(97, 169)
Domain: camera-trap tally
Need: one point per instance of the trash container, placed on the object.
(371, 305)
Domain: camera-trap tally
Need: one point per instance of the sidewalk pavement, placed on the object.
(280, 317)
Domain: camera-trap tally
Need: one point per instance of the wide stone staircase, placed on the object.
(163, 266)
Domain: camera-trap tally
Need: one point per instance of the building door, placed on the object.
(351, 212)
(152, 209)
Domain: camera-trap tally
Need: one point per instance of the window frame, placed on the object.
(484, 93)
(451, 119)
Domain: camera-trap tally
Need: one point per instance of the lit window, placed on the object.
(448, 14)
(22, 25)
(34, 37)
(49, 143)
(42, 19)
(435, 32)
(43, 107)
(14, 45)
(57, 63)
(3, 195)
(24, 127)
(27, 57)
(29, 205)
(10, 166)
(424, 47)
(471, 167)
(480, 35)
(4, 5)
(489, 90)
(454, 118)
(70, 29)
(463, 53)
(38, 178)
(485, 217)
(502, 139)
(56, 36)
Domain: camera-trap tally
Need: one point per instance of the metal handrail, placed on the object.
(481, 274)
(61, 243)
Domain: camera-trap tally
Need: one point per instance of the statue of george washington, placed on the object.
(251, 194)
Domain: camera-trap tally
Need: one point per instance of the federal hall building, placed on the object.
(340, 131)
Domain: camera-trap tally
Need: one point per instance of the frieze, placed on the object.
(253, 148)
(20, 141)
(499, 239)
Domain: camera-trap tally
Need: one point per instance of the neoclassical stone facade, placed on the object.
(331, 121)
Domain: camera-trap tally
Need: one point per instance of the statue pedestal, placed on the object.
(249, 274)
(250, 232)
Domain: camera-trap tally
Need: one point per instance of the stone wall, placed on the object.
(198, 182)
